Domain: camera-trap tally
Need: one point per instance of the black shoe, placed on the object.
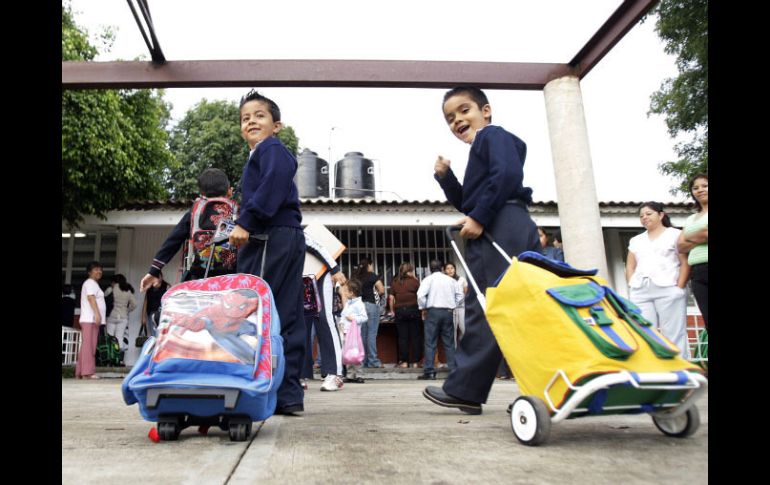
(357, 380)
(290, 410)
(438, 396)
(429, 376)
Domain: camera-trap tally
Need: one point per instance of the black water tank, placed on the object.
(312, 177)
(354, 176)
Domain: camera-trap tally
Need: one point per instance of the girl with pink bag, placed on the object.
(353, 316)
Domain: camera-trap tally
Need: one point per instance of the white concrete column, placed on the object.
(581, 227)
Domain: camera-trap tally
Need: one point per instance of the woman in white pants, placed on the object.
(657, 274)
(117, 321)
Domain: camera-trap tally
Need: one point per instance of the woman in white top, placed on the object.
(123, 295)
(657, 274)
(92, 315)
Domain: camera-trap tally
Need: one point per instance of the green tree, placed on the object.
(683, 26)
(208, 136)
(113, 142)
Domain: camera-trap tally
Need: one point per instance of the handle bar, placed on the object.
(449, 231)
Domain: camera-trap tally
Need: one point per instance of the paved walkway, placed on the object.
(382, 431)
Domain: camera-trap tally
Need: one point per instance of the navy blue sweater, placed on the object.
(269, 196)
(494, 175)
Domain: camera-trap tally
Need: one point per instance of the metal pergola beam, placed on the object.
(152, 42)
(615, 28)
(310, 73)
(352, 73)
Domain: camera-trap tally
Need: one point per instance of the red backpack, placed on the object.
(206, 216)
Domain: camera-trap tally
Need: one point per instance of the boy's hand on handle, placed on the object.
(147, 281)
(442, 166)
(239, 236)
(471, 229)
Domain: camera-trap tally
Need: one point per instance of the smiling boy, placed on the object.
(494, 200)
(270, 205)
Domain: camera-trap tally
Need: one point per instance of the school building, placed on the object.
(387, 231)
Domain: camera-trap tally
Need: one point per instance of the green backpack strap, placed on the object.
(632, 314)
(590, 295)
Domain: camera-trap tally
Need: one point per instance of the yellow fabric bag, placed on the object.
(544, 323)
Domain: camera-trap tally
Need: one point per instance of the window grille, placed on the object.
(389, 246)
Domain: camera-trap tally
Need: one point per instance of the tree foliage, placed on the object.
(683, 26)
(210, 136)
(113, 142)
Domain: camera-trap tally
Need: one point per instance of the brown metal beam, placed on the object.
(609, 34)
(310, 73)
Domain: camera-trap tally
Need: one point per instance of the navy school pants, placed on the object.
(283, 272)
(478, 356)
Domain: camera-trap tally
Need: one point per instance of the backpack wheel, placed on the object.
(680, 426)
(239, 431)
(168, 430)
(530, 421)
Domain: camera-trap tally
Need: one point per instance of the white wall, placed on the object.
(136, 248)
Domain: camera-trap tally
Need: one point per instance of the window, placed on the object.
(416, 245)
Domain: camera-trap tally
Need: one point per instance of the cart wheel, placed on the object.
(680, 426)
(168, 430)
(530, 421)
(239, 431)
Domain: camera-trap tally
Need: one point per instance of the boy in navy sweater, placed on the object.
(494, 200)
(270, 205)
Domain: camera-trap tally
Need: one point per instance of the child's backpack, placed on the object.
(206, 216)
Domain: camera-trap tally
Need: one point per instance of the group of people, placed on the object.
(417, 335)
(409, 302)
(663, 259)
(492, 199)
(104, 311)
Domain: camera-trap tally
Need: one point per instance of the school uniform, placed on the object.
(270, 205)
(493, 195)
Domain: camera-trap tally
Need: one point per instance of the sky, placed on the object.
(403, 130)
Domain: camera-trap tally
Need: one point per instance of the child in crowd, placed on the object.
(212, 182)
(353, 312)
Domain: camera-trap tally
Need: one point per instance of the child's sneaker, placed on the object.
(332, 383)
(304, 383)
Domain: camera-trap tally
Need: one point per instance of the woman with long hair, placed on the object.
(657, 275)
(117, 320)
(403, 302)
(372, 290)
(694, 242)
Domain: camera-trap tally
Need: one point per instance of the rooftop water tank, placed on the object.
(312, 177)
(354, 176)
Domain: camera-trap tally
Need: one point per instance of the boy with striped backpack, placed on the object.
(211, 215)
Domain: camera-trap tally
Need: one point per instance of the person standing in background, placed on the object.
(657, 275)
(694, 242)
(93, 311)
(372, 290)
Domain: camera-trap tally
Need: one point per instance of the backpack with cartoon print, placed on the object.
(207, 215)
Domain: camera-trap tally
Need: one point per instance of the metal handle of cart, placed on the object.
(253, 237)
(643, 380)
(450, 230)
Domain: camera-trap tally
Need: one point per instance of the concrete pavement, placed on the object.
(383, 431)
